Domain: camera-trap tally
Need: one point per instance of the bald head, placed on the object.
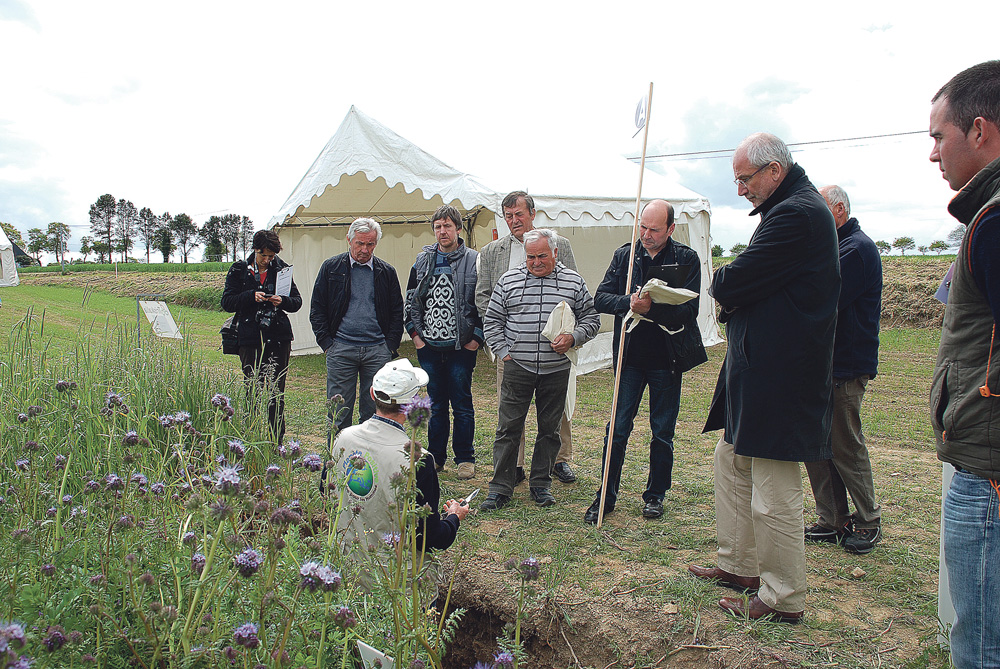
(837, 201)
(656, 224)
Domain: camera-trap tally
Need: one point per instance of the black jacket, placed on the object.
(779, 299)
(684, 348)
(332, 294)
(238, 297)
(855, 349)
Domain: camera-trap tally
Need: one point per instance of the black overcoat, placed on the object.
(779, 300)
(238, 296)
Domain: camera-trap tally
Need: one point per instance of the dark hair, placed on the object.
(387, 407)
(266, 240)
(971, 93)
(446, 212)
(510, 201)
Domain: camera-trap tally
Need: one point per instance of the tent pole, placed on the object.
(621, 340)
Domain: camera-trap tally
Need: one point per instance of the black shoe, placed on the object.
(542, 496)
(519, 476)
(562, 471)
(652, 509)
(819, 533)
(494, 501)
(591, 515)
(862, 541)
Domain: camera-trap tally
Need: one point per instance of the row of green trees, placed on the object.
(903, 244)
(116, 226)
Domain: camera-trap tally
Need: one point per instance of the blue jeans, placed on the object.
(664, 403)
(348, 366)
(972, 552)
(450, 374)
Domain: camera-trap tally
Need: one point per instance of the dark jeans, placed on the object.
(268, 367)
(850, 470)
(450, 374)
(664, 403)
(549, 391)
(349, 373)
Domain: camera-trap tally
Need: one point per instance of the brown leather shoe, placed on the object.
(755, 609)
(725, 579)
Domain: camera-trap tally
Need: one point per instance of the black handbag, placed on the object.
(231, 336)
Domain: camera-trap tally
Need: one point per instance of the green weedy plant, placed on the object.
(147, 520)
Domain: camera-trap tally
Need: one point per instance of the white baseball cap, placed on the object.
(398, 381)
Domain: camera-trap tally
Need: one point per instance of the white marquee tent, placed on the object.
(8, 269)
(368, 170)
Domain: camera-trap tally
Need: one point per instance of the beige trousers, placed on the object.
(758, 510)
(565, 453)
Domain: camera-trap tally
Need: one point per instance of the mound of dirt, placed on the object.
(908, 291)
(130, 284)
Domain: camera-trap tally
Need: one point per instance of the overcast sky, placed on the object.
(215, 107)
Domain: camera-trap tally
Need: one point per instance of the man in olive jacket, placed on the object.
(965, 405)
(774, 394)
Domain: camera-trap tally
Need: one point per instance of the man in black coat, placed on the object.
(356, 313)
(663, 344)
(774, 394)
(855, 362)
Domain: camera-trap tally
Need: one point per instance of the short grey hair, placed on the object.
(762, 148)
(364, 225)
(835, 195)
(541, 233)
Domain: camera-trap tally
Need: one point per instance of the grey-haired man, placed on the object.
(357, 316)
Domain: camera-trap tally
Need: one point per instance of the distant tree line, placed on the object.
(116, 226)
(903, 244)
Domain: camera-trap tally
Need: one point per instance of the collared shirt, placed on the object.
(388, 421)
(517, 254)
(370, 264)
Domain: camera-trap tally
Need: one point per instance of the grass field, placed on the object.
(620, 596)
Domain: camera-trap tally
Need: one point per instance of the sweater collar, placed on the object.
(848, 229)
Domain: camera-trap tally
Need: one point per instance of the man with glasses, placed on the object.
(774, 395)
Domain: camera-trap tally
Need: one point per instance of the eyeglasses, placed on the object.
(745, 180)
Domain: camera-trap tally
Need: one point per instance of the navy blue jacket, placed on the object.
(855, 348)
(774, 397)
(332, 294)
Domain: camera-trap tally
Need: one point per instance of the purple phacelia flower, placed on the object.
(290, 450)
(418, 410)
(189, 539)
(344, 618)
(12, 634)
(237, 448)
(504, 660)
(246, 635)
(391, 539)
(22, 464)
(309, 580)
(126, 522)
(219, 510)
(113, 482)
(272, 472)
(67, 499)
(91, 486)
(529, 569)
(158, 489)
(59, 461)
(165, 421)
(31, 445)
(197, 563)
(34, 410)
(357, 461)
(220, 401)
(22, 418)
(48, 569)
(97, 579)
(227, 479)
(248, 562)
(131, 438)
(51, 512)
(313, 462)
(55, 638)
(113, 399)
(139, 479)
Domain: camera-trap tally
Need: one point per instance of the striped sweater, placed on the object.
(520, 306)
